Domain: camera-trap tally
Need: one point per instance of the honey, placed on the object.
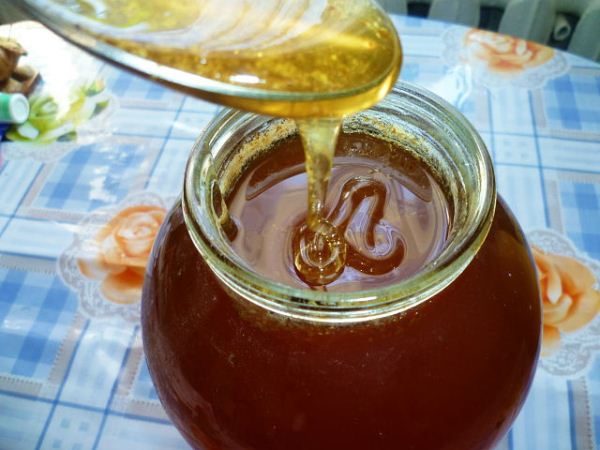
(286, 58)
(390, 213)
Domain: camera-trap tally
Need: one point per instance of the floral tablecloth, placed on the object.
(85, 183)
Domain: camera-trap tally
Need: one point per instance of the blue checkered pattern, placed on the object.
(167, 176)
(11, 193)
(406, 24)
(477, 109)
(143, 387)
(581, 205)
(93, 176)
(36, 311)
(123, 84)
(71, 429)
(594, 383)
(133, 89)
(572, 102)
(102, 396)
(421, 69)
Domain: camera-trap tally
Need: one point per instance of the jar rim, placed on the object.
(338, 307)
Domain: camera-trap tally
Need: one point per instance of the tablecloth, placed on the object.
(102, 144)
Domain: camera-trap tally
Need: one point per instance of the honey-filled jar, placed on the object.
(429, 337)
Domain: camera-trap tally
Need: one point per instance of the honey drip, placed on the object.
(319, 249)
(312, 60)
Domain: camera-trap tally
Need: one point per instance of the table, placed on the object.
(72, 370)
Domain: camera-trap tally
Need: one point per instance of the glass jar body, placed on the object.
(451, 372)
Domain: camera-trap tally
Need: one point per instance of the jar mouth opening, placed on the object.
(419, 122)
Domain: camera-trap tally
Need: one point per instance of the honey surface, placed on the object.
(389, 212)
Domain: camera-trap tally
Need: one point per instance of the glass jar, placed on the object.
(443, 359)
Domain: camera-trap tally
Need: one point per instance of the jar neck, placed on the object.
(410, 117)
